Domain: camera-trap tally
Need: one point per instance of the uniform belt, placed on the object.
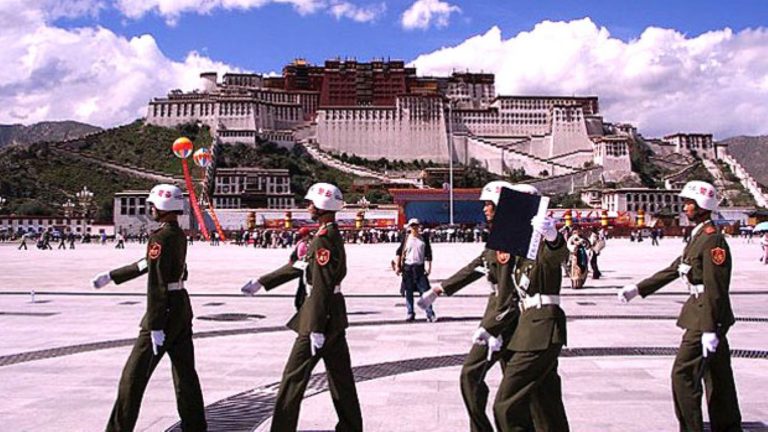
(539, 300)
(175, 286)
(336, 289)
(695, 290)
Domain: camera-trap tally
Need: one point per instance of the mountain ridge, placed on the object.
(19, 134)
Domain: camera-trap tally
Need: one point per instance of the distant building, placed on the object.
(441, 176)
(698, 144)
(131, 214)
(431, 206)
(382, 109)
(39, 224)
(636, 199)
(612, 153)
(238, 188)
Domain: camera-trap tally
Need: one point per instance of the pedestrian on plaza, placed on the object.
(490, 342)
(120, 239)
(298, 254)
(413, 260)
(71, 239)
(62, 242)
(632, 236)
(763, 244)
(578, 260)
(103, 238)
(654, 237)
(705, 267)
(46, 240)
(597, 239)
(322, 320)
(167, 324)
(23, 243)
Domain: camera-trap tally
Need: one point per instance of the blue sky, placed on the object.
(263, 39)
(665, 66)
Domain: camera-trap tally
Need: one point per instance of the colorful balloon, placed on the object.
(202, 157)
(182, 147)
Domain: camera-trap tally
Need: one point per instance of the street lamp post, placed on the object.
(450, 161)
(69, 208)
(85, 197)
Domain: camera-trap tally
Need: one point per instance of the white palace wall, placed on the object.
(414, 129)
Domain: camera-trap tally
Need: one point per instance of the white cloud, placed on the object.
(171, 10)
(87, 74)
(424, 13)
(663, 81)
(345, 9)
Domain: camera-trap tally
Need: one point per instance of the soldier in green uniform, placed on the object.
(705, 268)
(320, 322)
(500, 317)
(167, 324)
(531, 382)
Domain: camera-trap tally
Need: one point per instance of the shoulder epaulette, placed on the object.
(709, 229)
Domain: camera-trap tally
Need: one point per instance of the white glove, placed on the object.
(481, 336)
(494, 344)
(251, 287)
(427, 299)
(158, 339)
(100, 280)
(628, 293)
(316, 341)
(545, 226)
(709, 343)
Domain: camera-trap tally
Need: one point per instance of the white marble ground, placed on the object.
(75, 392)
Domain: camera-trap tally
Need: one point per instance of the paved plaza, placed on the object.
(61, 353)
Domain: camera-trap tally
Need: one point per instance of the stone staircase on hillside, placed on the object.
(721, 183)
(679, 177)
(326, 159)
(156, 176)
(555, 168)
(749, 183)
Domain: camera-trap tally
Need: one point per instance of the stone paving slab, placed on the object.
(75, 391)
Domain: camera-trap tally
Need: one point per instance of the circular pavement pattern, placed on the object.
(11, 359)
(245, 411)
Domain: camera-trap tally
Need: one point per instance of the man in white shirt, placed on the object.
(414, 261)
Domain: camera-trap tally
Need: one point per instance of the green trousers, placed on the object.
(137, 371)
(722, 402)
(531, 385)
(341, 383)
(474, 390)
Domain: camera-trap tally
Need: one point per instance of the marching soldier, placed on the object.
(167, 324)
(531, 378)
(499, 320)
(321, 321)
(705, 267)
